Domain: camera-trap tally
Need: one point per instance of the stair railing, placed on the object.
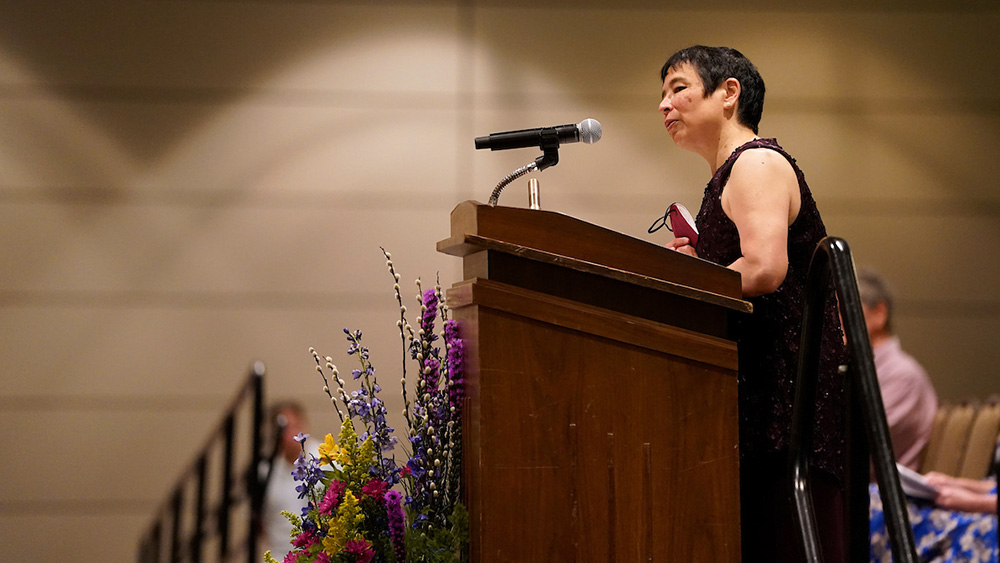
(832, 261)
(220, 494)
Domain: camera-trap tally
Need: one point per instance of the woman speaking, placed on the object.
(759, 218)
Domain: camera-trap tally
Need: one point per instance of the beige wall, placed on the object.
(188, 186)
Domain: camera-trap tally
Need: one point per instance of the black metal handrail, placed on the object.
(192, 529)
(832, 261)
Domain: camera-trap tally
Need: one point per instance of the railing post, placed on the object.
(177, 506)
(227, 486)
(149, 549)
(253, 479)
(833, 256)
(198, 537)
(157, 546)
(805, 394)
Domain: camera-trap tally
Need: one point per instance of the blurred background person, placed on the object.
(907, 393)
(288, 418)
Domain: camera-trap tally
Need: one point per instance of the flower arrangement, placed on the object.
(361, 506)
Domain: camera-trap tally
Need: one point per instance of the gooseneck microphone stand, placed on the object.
(550, 157)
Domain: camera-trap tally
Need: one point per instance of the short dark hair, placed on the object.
(873, 290)
(717, 64)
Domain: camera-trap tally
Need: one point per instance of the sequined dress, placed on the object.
(769, 338)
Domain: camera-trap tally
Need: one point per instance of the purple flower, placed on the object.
(301, 470)
(301, 438)
(310, 525)
(397, 525)
(366, 406)
(450, 331)
(456, 353)
(430, 312)
(308, 472)
(414, 466)
(419, 520)
(360, 408)
(432, 371)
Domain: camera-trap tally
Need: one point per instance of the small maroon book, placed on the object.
(681, 223)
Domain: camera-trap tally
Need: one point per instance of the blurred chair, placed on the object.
(932, 451)
(978, 458)
(950, 447)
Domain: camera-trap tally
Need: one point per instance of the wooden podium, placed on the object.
(601, 417)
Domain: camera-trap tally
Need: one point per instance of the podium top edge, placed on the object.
(556, 234)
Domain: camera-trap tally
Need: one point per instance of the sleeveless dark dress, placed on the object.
(768, 357)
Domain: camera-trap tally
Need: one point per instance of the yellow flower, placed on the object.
(345, 525)
(367, 454)
(328, 450)
(348, 438)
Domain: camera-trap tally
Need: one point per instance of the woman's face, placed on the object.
(689, 116)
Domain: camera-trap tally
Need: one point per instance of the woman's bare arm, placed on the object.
(762, 199)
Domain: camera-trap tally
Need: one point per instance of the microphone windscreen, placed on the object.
(590, 131)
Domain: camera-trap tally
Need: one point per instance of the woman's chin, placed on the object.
(679, 141)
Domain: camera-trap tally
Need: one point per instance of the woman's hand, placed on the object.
(939, 480)
(957, 498)
(682, 245)
(978, 486)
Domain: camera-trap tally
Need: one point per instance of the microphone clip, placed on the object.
(550, 149)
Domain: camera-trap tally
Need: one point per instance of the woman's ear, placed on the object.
(732, 92)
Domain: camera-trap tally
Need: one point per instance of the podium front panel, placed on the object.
(584, 444)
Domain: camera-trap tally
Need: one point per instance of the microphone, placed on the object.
(587, 131)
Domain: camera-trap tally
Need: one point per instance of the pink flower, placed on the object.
(332, 497)
(375, 489)
(361, 548)
(305, 539)
(322, 557)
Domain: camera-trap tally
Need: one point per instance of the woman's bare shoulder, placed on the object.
(763, 161)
